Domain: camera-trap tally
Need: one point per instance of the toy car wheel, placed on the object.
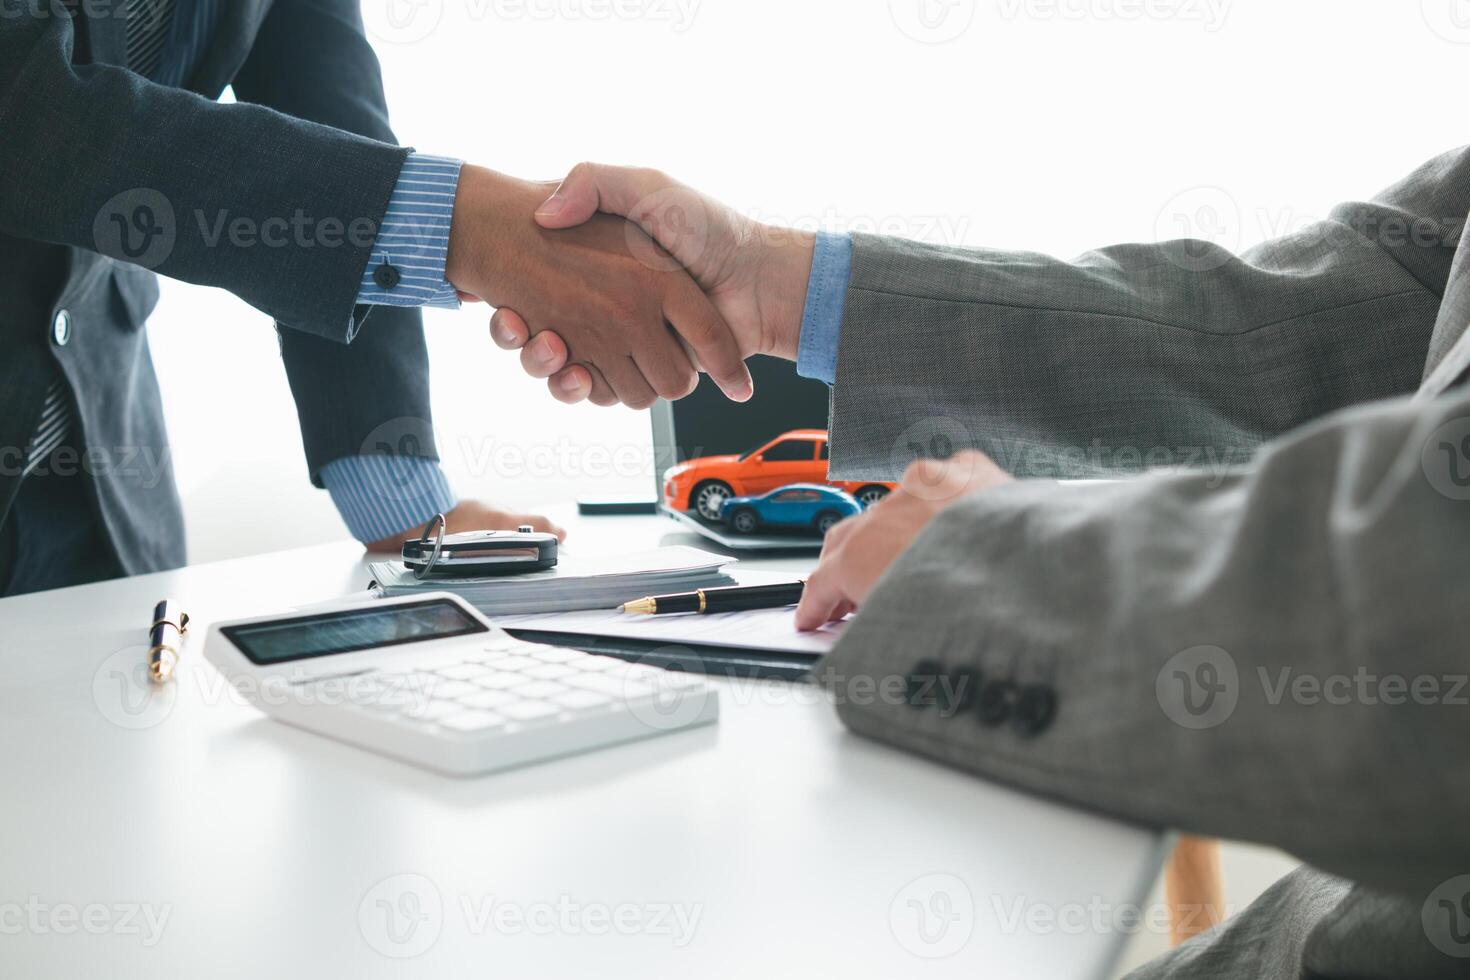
(870, 495)
(709, 499)
(827, 520)
(745, 521)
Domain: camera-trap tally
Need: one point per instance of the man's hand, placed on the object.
(859, 550)
(471, 515)
(756, 275)
(600, 288)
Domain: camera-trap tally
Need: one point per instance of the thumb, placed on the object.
(593, 187)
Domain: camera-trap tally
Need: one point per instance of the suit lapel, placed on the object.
(1449, 347)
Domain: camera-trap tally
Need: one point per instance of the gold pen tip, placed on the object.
(639, 607)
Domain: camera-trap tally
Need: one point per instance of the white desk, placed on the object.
(774, 844)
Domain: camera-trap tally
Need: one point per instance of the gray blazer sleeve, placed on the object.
(1139, 356)
(1280, 658)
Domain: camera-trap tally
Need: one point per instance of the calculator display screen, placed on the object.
(300, 638)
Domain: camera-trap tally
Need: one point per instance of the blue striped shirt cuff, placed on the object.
(406, 267)
(826, 296)
(382, 496)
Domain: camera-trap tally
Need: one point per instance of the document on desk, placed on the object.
(763, 630)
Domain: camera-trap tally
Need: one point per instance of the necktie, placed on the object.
(148, 26)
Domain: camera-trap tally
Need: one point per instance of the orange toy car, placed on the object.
(800, 456)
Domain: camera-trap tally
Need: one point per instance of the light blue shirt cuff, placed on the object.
(406, 266)
(826, 295)
(382, 496)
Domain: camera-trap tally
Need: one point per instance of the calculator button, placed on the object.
(462, 672)
(577, 700)
(432, 710)
(488, 699)
(472, 721)
(587, 662)
(500, 680)
(612, 686)
(454, 689)
(530, 710)
(539, 689)
(514, 663)
(552, 655)
(550, 672)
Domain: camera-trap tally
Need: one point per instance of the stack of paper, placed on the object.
(577, 582)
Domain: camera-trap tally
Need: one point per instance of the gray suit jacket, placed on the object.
(1267, 642)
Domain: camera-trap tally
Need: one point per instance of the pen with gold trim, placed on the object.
(165, 637)
(731, 599)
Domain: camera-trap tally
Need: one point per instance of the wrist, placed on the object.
(488, 208)
(785, 276)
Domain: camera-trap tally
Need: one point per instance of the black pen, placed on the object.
(163, 650)
(731, 599)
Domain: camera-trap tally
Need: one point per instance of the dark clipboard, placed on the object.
(698, 659)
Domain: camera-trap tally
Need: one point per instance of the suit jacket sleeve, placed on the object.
(312, 61)
(87, 146)
(1138, 356)
(1280, 658)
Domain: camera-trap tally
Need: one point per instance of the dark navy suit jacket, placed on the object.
(107, 176)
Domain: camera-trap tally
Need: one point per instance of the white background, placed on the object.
(1050, 126)
(1056, 127)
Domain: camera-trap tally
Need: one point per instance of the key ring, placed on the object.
(441, 524)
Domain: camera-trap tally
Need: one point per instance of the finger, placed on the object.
(695, 319)
(594, 187)
(602, 392)
(667, 370)
(821, 598)
(628, 383)
(508, 330)
(545, 355)
(570, 385)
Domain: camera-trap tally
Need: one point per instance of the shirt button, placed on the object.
(386, 276)
(61, 328)
(1035, 710)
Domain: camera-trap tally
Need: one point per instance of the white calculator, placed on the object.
(429, 680)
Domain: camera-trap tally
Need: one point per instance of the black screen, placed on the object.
(708, 424)
(304, 637)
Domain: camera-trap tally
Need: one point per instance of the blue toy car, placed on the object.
(811, 505)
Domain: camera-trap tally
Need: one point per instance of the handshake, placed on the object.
(621, 285)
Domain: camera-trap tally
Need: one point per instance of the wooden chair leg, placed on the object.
(1193, 888)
